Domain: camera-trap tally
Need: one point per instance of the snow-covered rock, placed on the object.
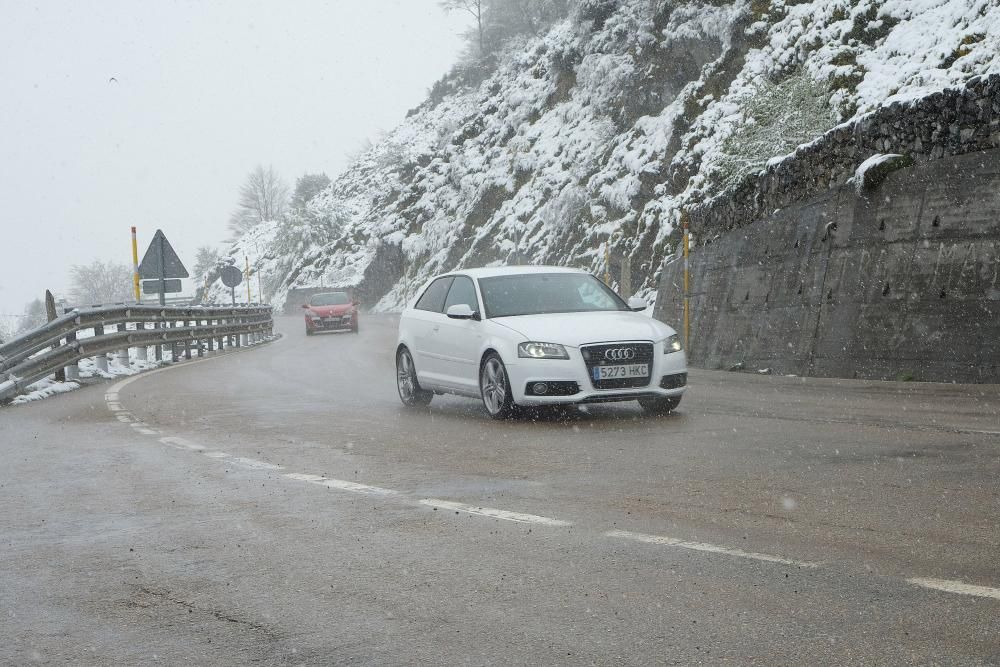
(873, 171)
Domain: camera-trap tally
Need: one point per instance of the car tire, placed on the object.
(660, 406)
(494, 388)
(407, 385)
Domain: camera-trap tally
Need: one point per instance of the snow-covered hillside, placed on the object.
(596, 134)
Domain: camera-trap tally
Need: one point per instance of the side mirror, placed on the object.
(305, 305)
(355, 303)
(636, 304)
(461, 311)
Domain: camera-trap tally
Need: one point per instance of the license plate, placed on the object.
(621, 372)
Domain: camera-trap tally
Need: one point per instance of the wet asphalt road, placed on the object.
(279, 506)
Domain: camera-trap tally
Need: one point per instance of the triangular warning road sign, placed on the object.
(160, 260)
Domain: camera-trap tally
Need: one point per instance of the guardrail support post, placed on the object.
(123, 353)
(173, 344)
(158, 349)
(100, 360)
(73, 370)
(141, 353)
(188, 342)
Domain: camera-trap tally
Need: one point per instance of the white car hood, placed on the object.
(578, 329)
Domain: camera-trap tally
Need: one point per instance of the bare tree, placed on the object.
(6, 330)
(498, 21)
(100, 282)
(263, 197)
(475, 9)
(34, 316)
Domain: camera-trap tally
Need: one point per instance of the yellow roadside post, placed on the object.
(247, 259)
(260, 287)
(687, 282)
(607, 262)
(135, 268)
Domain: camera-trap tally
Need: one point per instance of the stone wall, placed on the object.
(901, 282)
(949, 123)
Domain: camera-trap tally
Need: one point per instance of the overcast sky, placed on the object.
(202, 92)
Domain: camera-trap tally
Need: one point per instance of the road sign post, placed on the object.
(231, 277)
(163, 268)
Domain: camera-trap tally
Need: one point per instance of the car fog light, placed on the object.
(540, 388)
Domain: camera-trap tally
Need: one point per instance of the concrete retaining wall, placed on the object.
(901, 283)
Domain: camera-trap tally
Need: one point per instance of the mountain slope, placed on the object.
(586, 142)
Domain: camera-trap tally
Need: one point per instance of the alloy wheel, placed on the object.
(493, 382)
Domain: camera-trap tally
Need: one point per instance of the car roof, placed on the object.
(344, 292)
(494, 271)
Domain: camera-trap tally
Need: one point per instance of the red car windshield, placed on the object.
(332, 299)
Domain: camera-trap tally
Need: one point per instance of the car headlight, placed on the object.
(672, 344)
(532, 350)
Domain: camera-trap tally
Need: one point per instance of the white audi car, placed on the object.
(529, 336)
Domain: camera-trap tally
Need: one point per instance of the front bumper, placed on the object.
(667, 378)
(331, 323)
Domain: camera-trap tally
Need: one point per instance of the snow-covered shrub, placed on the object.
(776, 118)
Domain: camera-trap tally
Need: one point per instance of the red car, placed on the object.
(331, 311)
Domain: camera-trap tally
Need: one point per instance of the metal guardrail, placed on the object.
(58, 345)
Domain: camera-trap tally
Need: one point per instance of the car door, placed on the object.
(458, 342)
(424, 322)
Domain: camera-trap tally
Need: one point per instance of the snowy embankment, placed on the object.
(88, 372)
(587, 141)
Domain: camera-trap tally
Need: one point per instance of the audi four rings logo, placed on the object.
(619, 354)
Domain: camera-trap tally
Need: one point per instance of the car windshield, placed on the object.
(331, 299)
(535, 293)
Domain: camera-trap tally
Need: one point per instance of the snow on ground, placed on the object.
(89, 371)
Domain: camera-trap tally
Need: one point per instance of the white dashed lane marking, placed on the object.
(708, 548)
(181, 443)
(342, 485)
(494, 513)
(254, 464)
(959, 587)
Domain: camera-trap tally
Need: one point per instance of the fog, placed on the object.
(151, 114)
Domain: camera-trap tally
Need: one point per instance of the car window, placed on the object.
(463, 290)
(331, 299)
(534, 293)
(595, 296)
(433, 297)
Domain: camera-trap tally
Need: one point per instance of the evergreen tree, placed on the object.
(308, 186)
